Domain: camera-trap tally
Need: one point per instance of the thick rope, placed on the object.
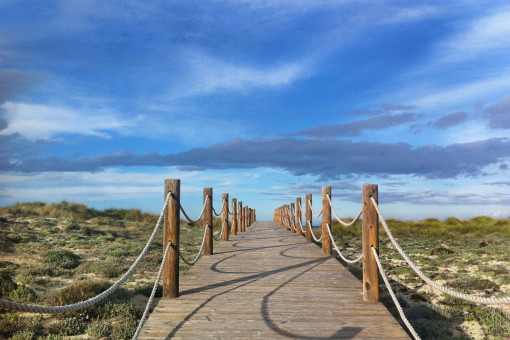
(313, 212)
(153, 293)
(313, 235)
(191, 263)
(21, 307)
(338, 250)
(468, 297)
(221, 233)
(201, 213)
(393, 297)
(291, 224)
(339, 219)
(221, 211)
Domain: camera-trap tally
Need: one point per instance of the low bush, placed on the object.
(68, 326)
(99, 329)
(61, 258)
(23, 294)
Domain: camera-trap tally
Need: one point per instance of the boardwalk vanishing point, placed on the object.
(268, 283)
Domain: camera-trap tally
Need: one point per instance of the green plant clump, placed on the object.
(61, 258)
(68, 326)
(99, 329)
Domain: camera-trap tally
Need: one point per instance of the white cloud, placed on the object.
(462, 93)
(35, 121)
(490, 33)
(207, 75)
(397, 15)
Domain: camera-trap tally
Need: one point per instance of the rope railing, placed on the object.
(153, 293)
(22, 307)
(372, 266)
(313, 234)
(393, 297)
(339, 219)
(468, 297)
(338, 250)
(222, 207)
(199, 254)
(221, 233)
(199, 217)
(313, 212)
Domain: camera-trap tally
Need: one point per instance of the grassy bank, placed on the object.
(61, 253)
(471, 256)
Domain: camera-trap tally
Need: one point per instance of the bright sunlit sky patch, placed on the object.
(100, 101)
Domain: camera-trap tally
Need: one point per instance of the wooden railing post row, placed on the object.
(240, 206)
(370, 237)
(224, 219)
(298, 216)
(245, 218)
(326, 220)
(308, 217)
(171, 233)
(287, 216)
(292, 218)
(208, 221)
(234, 216)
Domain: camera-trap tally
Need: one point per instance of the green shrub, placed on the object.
(119, 252)
(474, 283)
(496, 321)
(11, 324)
(25, 335)
(23, 294)
(6, 284)
(78, 292)
(68, 326)
(111, 268)
(99, 329)
(61, 258)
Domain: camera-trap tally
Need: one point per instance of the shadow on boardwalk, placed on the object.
(269, 284)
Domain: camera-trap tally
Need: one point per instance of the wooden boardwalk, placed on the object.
(269, 283)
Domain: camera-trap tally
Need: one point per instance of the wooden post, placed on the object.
(287, 216)
(208, 221)
(234, 216)
(308, 217)
(171, 233)
(224, 220)
(370, 236)
(326, 220)
(240, 204)
(292, 218)
(245, 215)
(298, 216)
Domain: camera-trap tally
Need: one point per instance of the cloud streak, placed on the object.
(450, 120)
(357, 127)
(45, 122)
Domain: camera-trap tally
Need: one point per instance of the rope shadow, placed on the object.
(344, 333)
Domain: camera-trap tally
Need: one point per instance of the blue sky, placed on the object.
(267, 100)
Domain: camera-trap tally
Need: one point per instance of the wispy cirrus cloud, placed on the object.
(37, 121)
(205, 74)
(489, 34)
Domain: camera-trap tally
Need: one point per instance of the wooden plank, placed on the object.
(268, 283)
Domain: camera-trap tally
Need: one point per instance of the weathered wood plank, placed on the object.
(267, 283)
